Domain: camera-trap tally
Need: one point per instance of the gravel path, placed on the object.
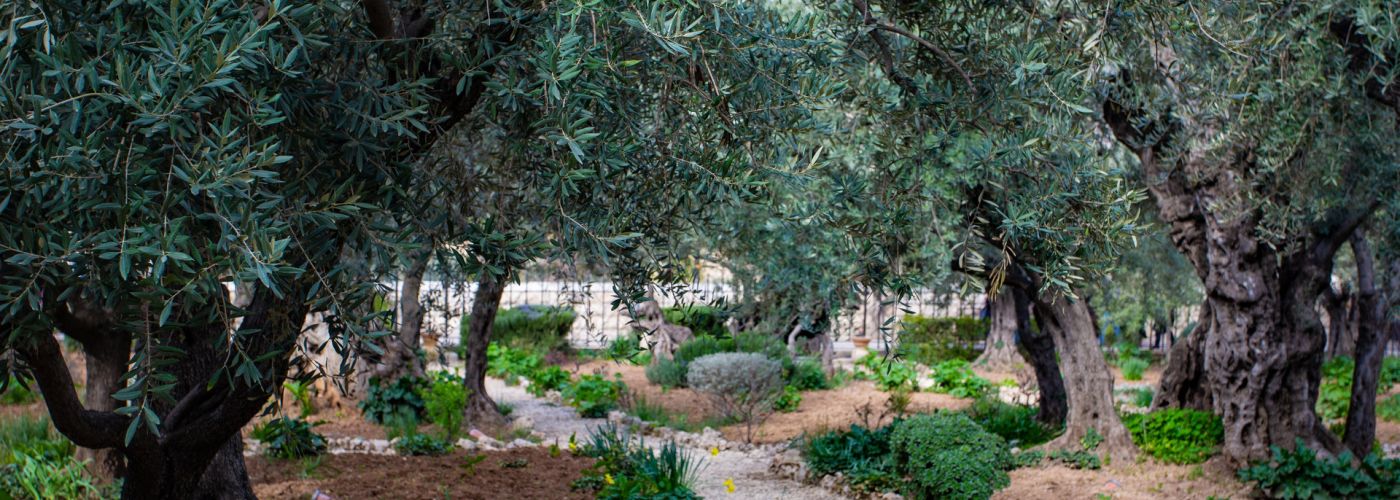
(747, 469)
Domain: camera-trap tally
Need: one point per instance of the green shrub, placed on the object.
(384, 403)
(36, 462)
(628, 347)
(1142, 396)
(446, 403)
(860, 454)
(1014, 423)
(931, 340)
(1028, 458)
(946, 455)
(511, 364)
(666, 373)
(1388, 409)
(699, 347)
(955, 378)
(701, 320)
(788, 400)
(635, 471)
(1077, 459)
(549, 378)
(301, 392)
(889, 373)
(290, 438)
(1390, 374)
(530, 327)
(1334, 395)
(807, 375)
(594, 395)
(1178, 436)
(16, 392)
(766, 345)
(1133, 368)
(418, 444)
(1300, 473)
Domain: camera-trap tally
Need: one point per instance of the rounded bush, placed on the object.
(742, 374)
(947, 455)
(1133, 368)
(666, 373)
(698, 347)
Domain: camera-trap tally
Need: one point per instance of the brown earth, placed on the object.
(1147, 480)
(352, 476)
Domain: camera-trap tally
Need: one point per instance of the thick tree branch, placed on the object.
(1331, 236)
(86, 428)
(1358, 48)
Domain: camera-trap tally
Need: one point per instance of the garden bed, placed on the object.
(855, 402)
(517, 473)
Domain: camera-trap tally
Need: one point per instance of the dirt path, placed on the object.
(747, 469)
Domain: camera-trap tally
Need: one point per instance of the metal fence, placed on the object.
(446, 303)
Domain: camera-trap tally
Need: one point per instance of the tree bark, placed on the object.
(1340, 324)
(1370, 349)
(1184, 383)
(1040, 348)
(1090, 384)
(480, 406)
(1000, 354)
(401, 350)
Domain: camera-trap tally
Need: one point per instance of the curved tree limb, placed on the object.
(86, 428)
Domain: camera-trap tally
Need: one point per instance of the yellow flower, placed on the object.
(729, 485)
(572, 446)
(607, 478)
(714, 451)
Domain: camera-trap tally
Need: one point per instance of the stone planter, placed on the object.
(861, 349)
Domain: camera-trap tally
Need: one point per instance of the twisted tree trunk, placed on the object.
(1090, 384)
(401, 350)
(480, 406)
(1000, 353)
(1371, 338)
(1040, 349)
(1184, 383)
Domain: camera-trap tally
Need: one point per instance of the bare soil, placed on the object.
(1147, 480)
(518, 473)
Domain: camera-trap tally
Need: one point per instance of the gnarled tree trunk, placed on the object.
(1000, 353)
(401, 350)
(1184, 383)
(480, 406)
(1040, 351)
(1371, 304)
(1090, 384)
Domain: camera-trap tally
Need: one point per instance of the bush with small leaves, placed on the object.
(860, 454)
(1014, 423)
(947, 455)
(666, 373)
(446, 404)
(1176, 435)
(1388, 409)
(701, 320)
(789, 400)
(807, 375)
(742, 384)
(955, 378)
(699, 347)
(292, 438)
(1133, 368)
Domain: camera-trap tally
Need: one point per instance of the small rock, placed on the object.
(466, 444)
(521, 443)
(522, 423)
(890, 495)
